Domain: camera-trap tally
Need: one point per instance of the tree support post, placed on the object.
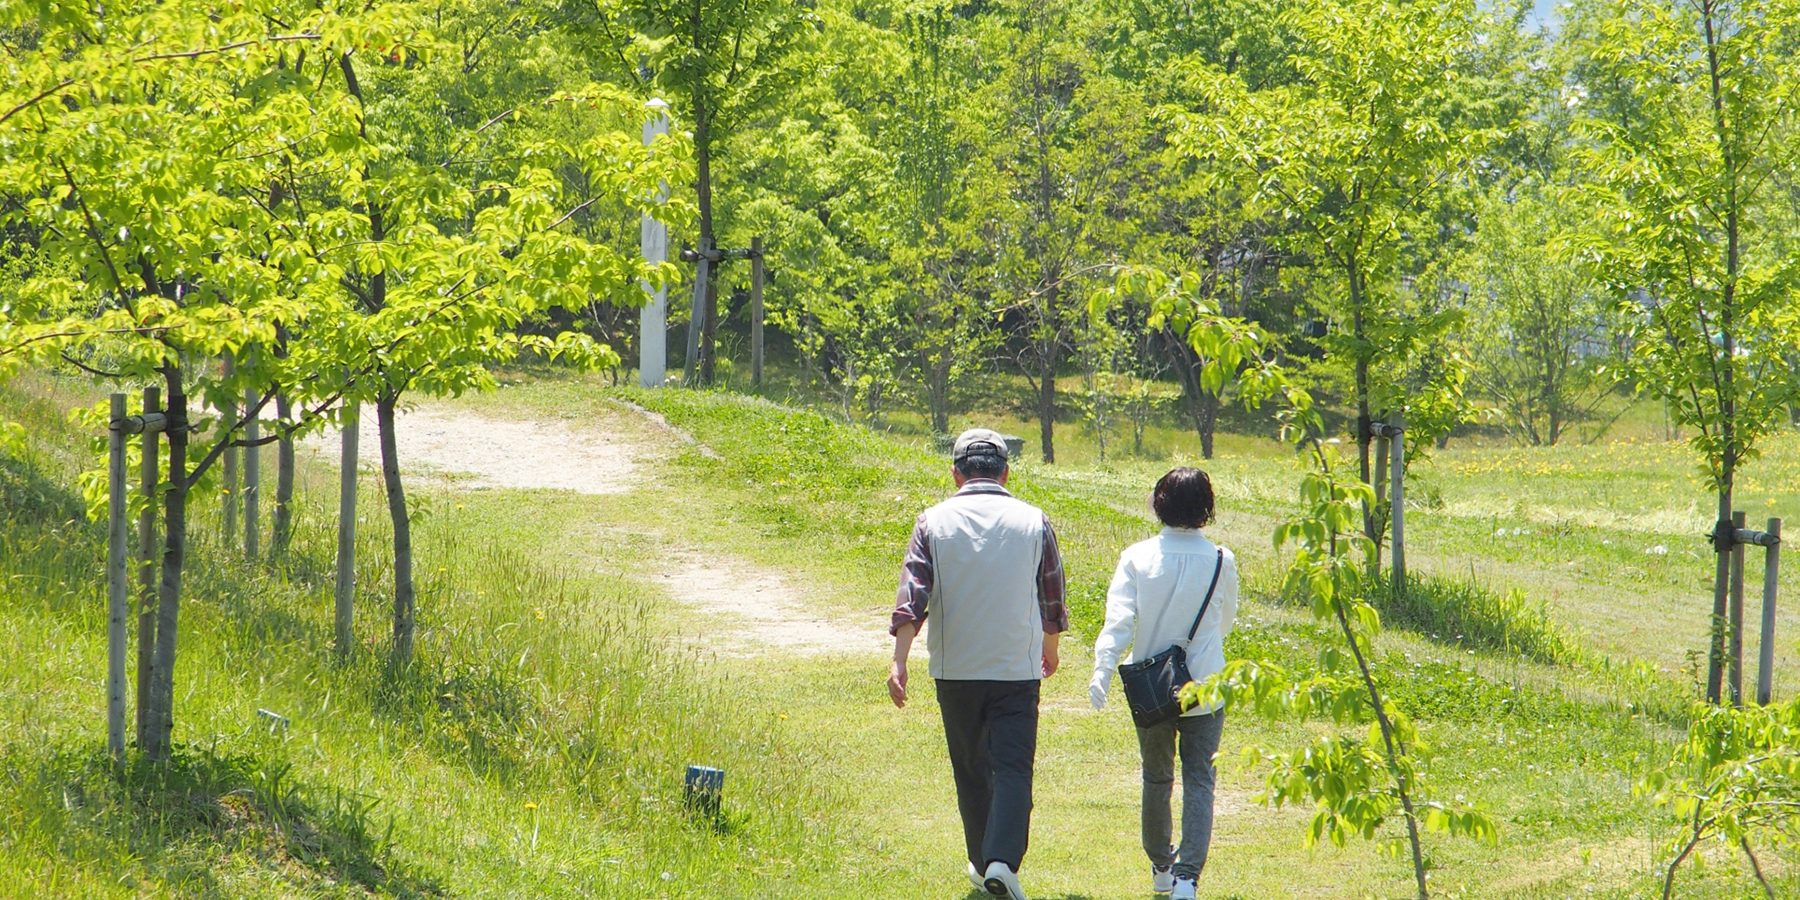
(1734, 658)
(115, 582)
(252, 476)
(118, 604)
(345, 586)
(229, 465)
(1396, 431)
(756, 312)
(1765, 669)
(147, 556)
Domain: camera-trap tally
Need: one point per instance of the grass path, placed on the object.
(699, 529)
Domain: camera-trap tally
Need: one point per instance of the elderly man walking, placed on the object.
(985, 567)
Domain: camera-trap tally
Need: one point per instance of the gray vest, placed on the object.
(985, 623)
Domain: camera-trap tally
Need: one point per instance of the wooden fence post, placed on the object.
(1734, 659)
(116, 603)
(147, 558)
(252, 475)
(229, 465)
(1397, 506)
(345, 588)
(756, 312)
(1765, 672)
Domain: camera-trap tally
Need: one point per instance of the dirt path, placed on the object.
(739, 607)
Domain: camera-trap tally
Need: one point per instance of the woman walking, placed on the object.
(1158, 592)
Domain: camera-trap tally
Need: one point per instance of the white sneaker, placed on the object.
(1185, 889)
(975, 879)
(1001, 881)
(1162, 879)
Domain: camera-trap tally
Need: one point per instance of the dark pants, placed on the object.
(1198, 738)
(991, 728)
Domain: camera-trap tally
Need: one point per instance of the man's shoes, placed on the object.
(1001, 881)
(975, 879)
(1185, 888)
(1162, 879)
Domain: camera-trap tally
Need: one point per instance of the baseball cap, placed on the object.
(976, 441)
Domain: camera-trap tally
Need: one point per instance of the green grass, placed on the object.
(552, 675)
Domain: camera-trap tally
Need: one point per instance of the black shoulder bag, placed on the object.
(1151, 685)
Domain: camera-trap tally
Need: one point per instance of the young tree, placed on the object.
(1064, 140)
(1700, 115)
(1537, 322)
(719, 64)
(138, 144)
(439, 271)
(1353, 153)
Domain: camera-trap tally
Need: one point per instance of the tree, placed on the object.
(1537, 321)
(1700, 114)
(138, 146)
(439, 264)
(1064, 140)
(1352, 153)
(719, 65)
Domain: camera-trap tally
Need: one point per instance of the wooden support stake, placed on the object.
(696, 320)
(252, 477)
(1397, 506)
(229, 463)
(346, 547)
(1765, 670)
(147, 558)
(1734, 659)
(116, 602)
(756, 312)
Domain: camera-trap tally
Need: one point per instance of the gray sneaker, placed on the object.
(1002, 881)
(975, 879)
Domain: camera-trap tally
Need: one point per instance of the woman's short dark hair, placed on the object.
(1184, 498)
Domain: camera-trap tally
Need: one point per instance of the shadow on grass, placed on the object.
(183, 823)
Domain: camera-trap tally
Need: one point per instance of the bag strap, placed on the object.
(1208, 601)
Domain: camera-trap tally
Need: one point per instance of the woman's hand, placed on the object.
(1097, 688)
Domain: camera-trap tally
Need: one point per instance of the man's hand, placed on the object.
(1097, 688)
(896, 683)
(1051, 657)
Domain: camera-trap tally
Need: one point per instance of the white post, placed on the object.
(252, 475)
(115, 581)
(1397, 505)
(345, 587)
(1765, 670)
(653, 325)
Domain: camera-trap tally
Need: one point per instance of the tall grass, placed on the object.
(537, 745)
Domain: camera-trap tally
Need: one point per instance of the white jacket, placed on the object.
(1156, 592)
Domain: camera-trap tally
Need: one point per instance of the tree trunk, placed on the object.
(160, 717)
(1365, 431)
(1724, 539)
(1202, 404)
(281, 527)
(396, 498)
(703, 112)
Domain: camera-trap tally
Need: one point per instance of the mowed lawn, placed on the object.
(834, 792)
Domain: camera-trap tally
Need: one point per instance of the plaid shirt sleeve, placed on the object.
(1051, 590)
(916, 579)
